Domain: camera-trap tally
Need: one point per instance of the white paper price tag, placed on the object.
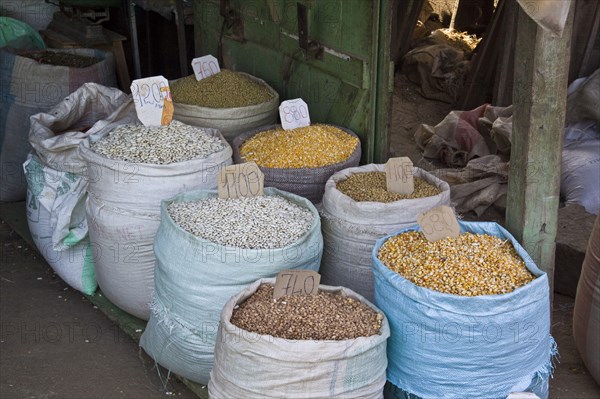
(399, 175)
(293, 114)
(205, 66)
(152, 99)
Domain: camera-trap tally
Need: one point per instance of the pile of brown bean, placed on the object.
(312, 146)
(469, 265)
(226, 89)
(325, 316)
(371, 186)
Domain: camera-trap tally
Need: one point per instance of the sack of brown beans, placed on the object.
(469, 316)
(130, 169)
(330, 345)
(357, 210)
(586, 315)
(208, 249)
(299, 160)
(232, 102)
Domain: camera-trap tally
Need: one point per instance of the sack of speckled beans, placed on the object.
(131, 169)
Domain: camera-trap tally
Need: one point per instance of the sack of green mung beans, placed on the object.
(299, 160)
(131, 169)
(208, 249)
(469, 316)
(330, 345)
(357, 210)
(232, 102)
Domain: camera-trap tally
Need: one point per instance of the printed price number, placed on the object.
(205, 66)
(152, 99)
(399, 175)
(294, 114)
(296, 283)
(241, 181)
(439, 223)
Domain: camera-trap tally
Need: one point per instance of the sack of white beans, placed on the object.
(208, 249)
(131, 168)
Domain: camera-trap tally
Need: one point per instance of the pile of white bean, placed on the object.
(258, 223)
(176, 142)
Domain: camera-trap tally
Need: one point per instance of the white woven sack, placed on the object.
(195, 278)
(56, 198)
(231, 121)
(350, 228)
(121, 241)
(123, 213)
(251, 365)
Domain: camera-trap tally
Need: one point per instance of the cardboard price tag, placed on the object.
(439, 223)
(296, 283)
(399, 175)
(293, 114)
(241, 181)
(152, 99)
(205, 66)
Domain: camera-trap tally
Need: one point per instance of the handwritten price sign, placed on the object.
(205, 66)
(439, 223)
(399, 175)
(152, 99)
(296, 283)
(241, 181)
(293, 114)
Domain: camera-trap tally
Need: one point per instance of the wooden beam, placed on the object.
(539, 98)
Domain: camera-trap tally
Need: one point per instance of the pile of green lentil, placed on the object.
(226, 89)
(469, 265)
(371, 186)
(312, 146)
(324, 316)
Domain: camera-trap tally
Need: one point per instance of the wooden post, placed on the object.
(539, 99)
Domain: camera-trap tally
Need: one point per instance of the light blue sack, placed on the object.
(194, 278)
(450, 346)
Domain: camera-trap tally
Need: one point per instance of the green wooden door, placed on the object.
(344, 73)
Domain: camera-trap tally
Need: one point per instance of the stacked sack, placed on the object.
(131, 168)
(207, 250)
(357, 210)
(30, 87)
(57, 181)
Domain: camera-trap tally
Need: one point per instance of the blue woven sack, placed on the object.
(450, 346)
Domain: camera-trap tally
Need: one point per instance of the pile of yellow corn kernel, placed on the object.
(306, 147)
(469, 265)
